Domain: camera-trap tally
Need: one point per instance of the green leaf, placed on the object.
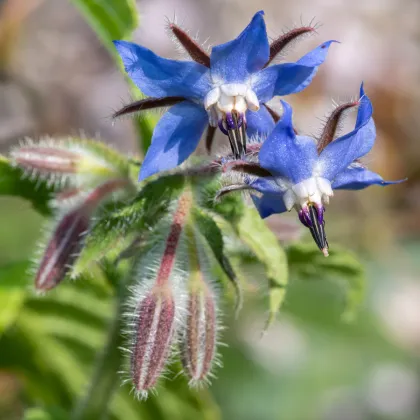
(53, 413)
(342, 266)
(114, 20)
(14, 182)
(261, 240)
(117, 228)
(213, 236)
(111, 19)
(13, 280)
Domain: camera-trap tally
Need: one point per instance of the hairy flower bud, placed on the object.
(158, 305)
(62, 250)
(45, 159)
(73, 161)
(67, 236)
(198, 344)
(153, 338)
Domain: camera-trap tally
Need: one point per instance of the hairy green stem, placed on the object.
(94, 404)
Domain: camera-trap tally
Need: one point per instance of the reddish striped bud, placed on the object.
(155, 326)
(66, 239)
(75, 161)
(62, 250)
(46, 159)
(198, 344)
(158, 305)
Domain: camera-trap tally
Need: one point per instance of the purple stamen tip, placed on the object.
(222, 127)
(320, 212)
(230, 122)
(305, 218)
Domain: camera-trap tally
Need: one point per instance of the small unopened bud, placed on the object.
(198, 344)
(62, 250)
(45, 159)
(157, 307)
(66, 240)
(71, 161)
(155, 324)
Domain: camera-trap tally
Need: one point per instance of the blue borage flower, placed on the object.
(295, 171)
(226, 89)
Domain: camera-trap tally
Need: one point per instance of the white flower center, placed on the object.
(229, 97)
(316, 190)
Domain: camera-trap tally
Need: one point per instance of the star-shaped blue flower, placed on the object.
(227, 89)
(300, 172)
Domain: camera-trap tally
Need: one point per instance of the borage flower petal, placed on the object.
(287, 78)
(301, 178)
(160, 77)
(269, 204)
(358, 178)
(236, 60)
(259, 123)
(232, 86)
(340, 153)
(175, 137)
(286, 155)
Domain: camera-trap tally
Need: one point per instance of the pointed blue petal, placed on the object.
(269, 204)
(236, 60)
(175, 137)
(159, 77)
(284, 79)
(286, 155)
(357, 178)
(265, 186)
(365, 108)
(340, 153)
(259, 123)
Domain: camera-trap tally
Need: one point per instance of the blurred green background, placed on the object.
(57, 78)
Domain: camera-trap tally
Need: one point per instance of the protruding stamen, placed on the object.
(283, 41)
(304, 218)
(317, 227)
(223, 129)
(148, 103)
(236, 131)
(195, 51)
(332, 124)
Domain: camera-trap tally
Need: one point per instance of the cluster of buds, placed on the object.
(85, 174)
(173, 306)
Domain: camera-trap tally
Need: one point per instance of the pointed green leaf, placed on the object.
(212, 234)
(261, 240)
(14, 182)
(111, 19)
(341, 266)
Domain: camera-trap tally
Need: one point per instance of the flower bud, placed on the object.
(198, 344)
(66, 239)
(62, 249)
(71, 161)
(158, 305)
(154, 331)
(45, 159)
